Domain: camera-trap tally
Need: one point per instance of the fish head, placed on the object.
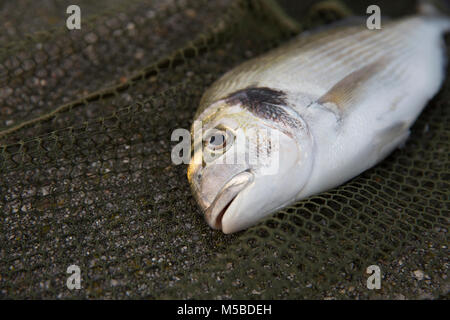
(246, 165)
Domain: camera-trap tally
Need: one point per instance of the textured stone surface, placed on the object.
(93, 184)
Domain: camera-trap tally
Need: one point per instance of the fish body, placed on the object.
(340, 100)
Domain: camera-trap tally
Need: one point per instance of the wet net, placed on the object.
(86, 177)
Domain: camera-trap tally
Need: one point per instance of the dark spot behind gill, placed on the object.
(256, 98)
(265, 103)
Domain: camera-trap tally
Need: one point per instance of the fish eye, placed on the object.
(218, 139)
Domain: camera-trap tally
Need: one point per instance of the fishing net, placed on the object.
(86, 176)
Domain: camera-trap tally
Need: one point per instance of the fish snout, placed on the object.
(220, 206)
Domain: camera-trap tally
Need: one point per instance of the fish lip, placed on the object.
(224, 198)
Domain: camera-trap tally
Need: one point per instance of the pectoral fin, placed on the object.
(346, 92)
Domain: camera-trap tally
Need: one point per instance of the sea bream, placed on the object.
(341, 99)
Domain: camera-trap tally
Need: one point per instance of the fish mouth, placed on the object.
(217, 210)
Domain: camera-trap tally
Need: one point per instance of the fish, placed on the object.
(336, 101)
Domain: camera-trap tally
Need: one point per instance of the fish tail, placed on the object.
(436, 11)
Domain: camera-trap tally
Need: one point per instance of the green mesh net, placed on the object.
(86, 176)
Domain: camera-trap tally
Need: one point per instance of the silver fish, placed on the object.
(340, 100)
